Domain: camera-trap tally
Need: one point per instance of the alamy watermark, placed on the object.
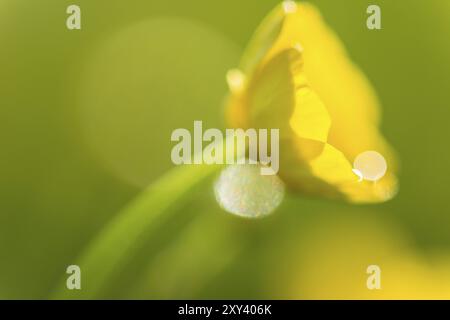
(374, 279)
(374, 20)
(73, 281)
(73, 21)
(237, 146)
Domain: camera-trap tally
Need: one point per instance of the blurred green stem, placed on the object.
(125, 234)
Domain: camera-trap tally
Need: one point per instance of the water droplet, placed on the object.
(243, 191)
(359, 174)
(235, 80)
(289, 6)
(370, 165)
(298, 47)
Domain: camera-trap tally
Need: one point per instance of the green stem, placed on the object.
(110, 250)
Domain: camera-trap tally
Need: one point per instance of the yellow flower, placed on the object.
(296, 76)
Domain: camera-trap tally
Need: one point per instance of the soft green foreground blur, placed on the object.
(85, 124)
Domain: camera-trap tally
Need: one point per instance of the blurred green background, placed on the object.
(85, 123)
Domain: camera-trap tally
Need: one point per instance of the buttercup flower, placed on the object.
(296, 76)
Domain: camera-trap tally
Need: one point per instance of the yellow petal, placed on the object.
(332, 166)
(278, 96)
(263, 40)
(345, 91)
(310, 119)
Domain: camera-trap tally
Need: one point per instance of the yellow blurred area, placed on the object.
(332, 262)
